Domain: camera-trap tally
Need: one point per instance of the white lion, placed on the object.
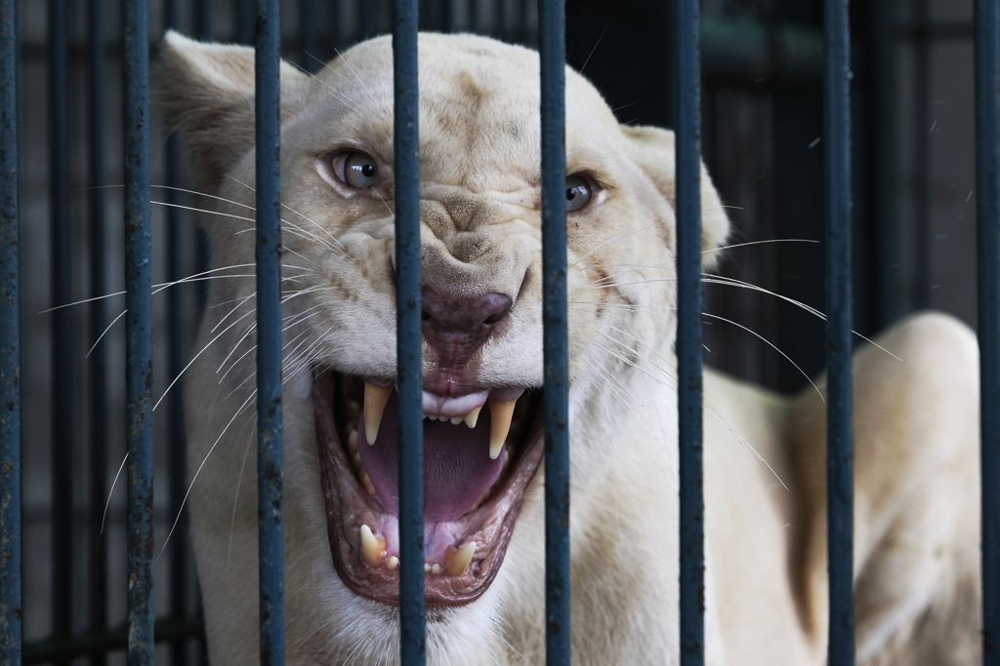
(915, 421)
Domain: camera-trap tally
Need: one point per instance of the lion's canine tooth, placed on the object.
(375, 399)
(501, 412)
(473, 417)
(372, 547)
(457, 560)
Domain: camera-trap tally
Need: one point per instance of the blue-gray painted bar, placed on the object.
(987, 48)
(10, 348)
(97, 365)
(408, 333)
(63, 430)
(138, 333)
(270, 430)
(552, 52)
(689, 358)
(840, 449)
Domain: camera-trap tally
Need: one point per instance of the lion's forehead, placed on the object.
(479, 106)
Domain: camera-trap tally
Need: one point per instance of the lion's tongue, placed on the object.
(458, 472)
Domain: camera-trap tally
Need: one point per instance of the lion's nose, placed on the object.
(463, 315)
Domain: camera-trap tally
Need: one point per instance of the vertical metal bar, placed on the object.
(689, 334)
(63, 431)
(408, 333)
(10, 348)
(177, 445)
(138, 333)
(987, 47)
(552, 52)
(270, 429)
(98, 363)
(840, 449)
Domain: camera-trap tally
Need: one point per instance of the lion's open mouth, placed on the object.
(481, 450)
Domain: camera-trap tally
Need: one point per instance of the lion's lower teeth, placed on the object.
(372, 547)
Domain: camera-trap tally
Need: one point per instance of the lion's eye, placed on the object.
(358, 170)
(579, 192)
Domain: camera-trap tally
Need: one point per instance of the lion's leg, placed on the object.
(916, 491)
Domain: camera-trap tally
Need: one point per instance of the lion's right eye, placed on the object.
(356, 169)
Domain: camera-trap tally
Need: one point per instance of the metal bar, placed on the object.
(987, 58)
(270, 429)
(177, 447)
(840, 449)
(552, 52)
(98, 362)
(689, 334)
(408, 332)
(138, 333)
(10, 347)
(63, 430)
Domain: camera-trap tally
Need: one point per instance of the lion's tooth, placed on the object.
(352, 440)
(392, 562)
(427, 567)
(436, 569)
(366, 481)
(376, 398)
(501, 412)
(457, 560)
(372, 547)
(473, 417)
(455, 420)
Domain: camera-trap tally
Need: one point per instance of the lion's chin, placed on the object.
(475, 476)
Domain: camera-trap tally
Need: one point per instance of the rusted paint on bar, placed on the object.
(270, 428)
(138, 333)
(10, 347)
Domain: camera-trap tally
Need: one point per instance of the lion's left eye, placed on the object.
(579, 192)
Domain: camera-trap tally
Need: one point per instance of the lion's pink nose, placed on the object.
(471, 317)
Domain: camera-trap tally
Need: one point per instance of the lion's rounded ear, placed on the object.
(207, 93)
(653, 150)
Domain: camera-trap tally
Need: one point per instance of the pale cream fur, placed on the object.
(915, 420)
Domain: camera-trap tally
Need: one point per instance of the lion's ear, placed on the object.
(653, 150)
(207, 92)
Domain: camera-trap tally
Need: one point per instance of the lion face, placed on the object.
(482, 330)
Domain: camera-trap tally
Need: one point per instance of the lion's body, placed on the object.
(915, 423)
